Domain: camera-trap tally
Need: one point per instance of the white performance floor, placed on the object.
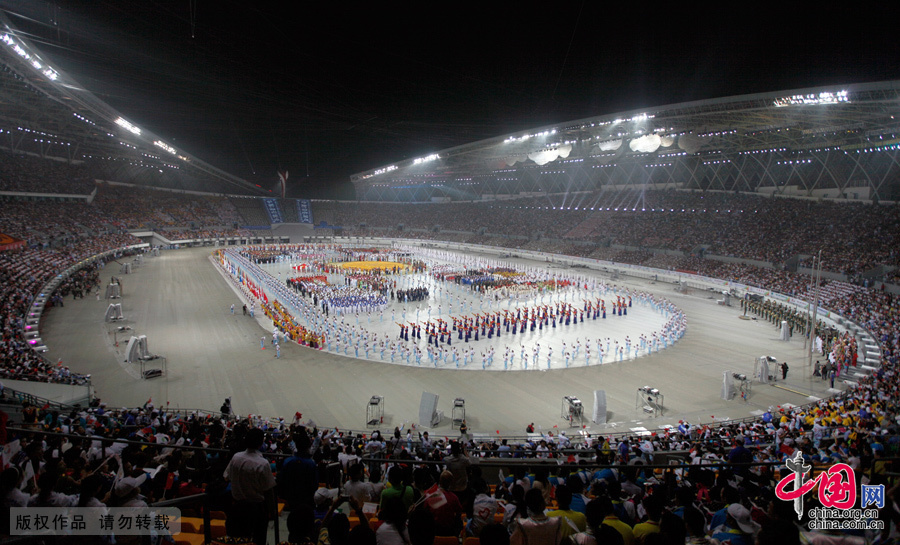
(181, 301)
(544, 348)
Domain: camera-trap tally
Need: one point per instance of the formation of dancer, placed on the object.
(462, 305)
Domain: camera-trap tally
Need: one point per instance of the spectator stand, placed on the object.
(31, 324)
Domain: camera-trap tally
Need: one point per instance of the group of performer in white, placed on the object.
(466, 315)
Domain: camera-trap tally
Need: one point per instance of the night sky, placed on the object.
(329, 89)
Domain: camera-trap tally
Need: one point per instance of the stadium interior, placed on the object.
(785, 198)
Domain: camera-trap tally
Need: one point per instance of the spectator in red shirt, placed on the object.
(445, 506)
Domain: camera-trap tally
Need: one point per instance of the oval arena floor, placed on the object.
(181, 302)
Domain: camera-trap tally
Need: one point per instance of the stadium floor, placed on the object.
(181, 302)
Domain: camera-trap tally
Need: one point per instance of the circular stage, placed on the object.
(574, 333)
(181, 301)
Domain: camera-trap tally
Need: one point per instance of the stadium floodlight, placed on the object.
(824, 97)
(48, 72)
(426, 159)
(128, 126)
(163, 145)
(379, 171)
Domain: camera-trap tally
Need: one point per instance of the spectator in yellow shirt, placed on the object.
(654, 507)
(573, 521)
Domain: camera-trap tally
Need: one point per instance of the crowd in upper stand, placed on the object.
(854, 237)
(52, 222)
(142, 208)
(251, 210)
(26, 173)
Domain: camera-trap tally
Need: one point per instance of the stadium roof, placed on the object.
(737, 143)
(323, 92)
(45, 111)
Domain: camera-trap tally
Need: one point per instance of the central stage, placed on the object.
(596, 339)
(181, 301)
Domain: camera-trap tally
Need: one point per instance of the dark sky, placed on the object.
(328, 89)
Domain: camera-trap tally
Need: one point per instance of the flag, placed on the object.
(9, 451)
(282, 182)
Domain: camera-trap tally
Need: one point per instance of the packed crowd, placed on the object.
(424, 486)
(251, 210)
(52, 223)
(144, 208)
(855, 237)
(56, 223)
(755, 227)
(30, 174)
(22, 274)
